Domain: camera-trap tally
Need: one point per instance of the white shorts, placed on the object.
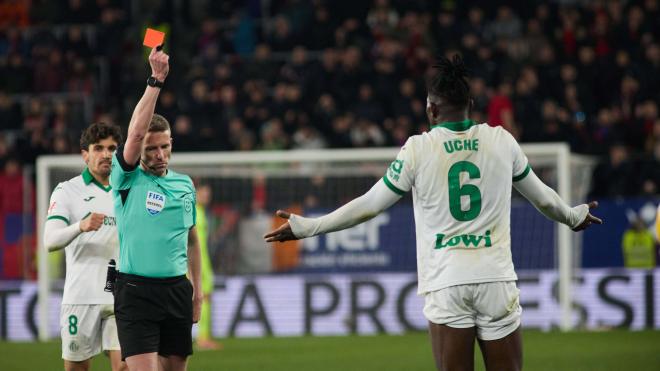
(493, 307)
(87, 330)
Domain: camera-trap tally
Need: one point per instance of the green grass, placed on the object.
(583, 351)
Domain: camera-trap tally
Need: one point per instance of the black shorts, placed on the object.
(154, 315)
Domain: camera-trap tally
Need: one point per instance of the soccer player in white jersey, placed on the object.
(460, 174)
(81, 221)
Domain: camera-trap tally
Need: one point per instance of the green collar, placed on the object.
(89, 178)
(455, 125)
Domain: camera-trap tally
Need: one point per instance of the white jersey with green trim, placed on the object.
(88, 254)
(461, 175)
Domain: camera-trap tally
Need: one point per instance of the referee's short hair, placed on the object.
(158, 124)
(98, 131)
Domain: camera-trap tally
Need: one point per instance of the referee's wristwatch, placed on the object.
(153, 82)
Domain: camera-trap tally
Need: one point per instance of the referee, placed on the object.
(155, 304)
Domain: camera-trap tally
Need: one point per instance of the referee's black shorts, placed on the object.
(154, 315)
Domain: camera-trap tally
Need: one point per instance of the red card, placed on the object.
(153, 38)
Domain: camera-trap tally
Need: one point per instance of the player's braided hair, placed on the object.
(450, 83)
(97, 132)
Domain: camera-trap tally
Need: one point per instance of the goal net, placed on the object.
(244, 189)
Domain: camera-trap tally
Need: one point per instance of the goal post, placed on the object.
(294, 175)
(559, 153)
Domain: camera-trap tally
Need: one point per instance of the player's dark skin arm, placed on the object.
(590, 219)
(283, 232)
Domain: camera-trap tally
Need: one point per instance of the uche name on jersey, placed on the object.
(461, 145)
(468, 240)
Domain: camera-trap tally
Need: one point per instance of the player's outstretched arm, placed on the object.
(144, 110)
(548, 202)
(361, 209)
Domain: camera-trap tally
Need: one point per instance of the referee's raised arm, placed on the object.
(144, 110)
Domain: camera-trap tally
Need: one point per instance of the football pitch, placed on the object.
(583, 351)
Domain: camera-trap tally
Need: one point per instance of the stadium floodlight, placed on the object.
(292, 175)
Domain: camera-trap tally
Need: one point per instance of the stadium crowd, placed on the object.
(252, 75)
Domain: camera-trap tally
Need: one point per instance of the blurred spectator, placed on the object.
(615, 176)
(185, 140)
(49, 73)
(638, 246)
(44, 12)
(307, 137)
(322, 29)
(402, 104)
(382, 19)
(80, 11)
(650, 69)
(281, 37)
(261, 67)
(168, 105)
(446, 30)
(12, 188)
(4, 151)
(12, 41)
(209, 36)
(257, 109)
(527, 108)
(365, 133)
(500, 108)
(299, 70)
(200, 108)
(324, 79)
(14, 13)
(244, 38)
(17, 77)
(60, 119)
(11, 115)
(341, 128)
(506, 25)
(80, 80)
(76, 44)
(475, 22)
(239, 137)
(606, 131)
(554, 125)
(273, 136)
(367, 107)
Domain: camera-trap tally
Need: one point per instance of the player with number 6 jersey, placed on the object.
(460, 174)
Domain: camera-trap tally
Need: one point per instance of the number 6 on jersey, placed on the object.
(456, 191)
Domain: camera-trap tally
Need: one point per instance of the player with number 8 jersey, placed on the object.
(81, 220)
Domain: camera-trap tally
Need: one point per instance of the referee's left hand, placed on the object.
(159, 62)
(197, 306)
